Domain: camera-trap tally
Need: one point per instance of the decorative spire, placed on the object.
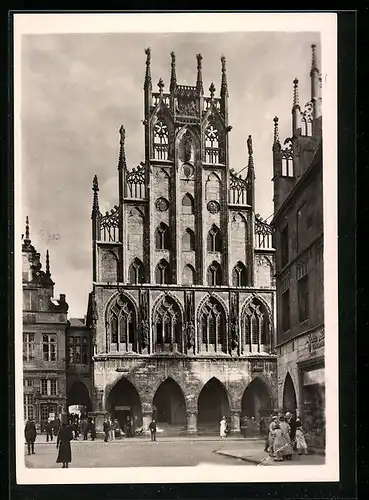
(212, 90)
(95, 189)
(161, 85)
(199, 84)
(224, 86)
(48, 264)
(314, 62)
(27, 238)
(173, 76)
(148, 83)
(296, 103)
(276, 143)
(122, 152)
(251, 170)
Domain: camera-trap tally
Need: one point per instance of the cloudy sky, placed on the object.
(77, 89)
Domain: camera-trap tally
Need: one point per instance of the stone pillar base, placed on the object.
(191, 422)
(146, 419)
(235, 423)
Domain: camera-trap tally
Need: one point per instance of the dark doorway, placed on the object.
(289, 395)
(169, 404)
(213, 403)
(256, 400)
(78, 396)
(125, 405)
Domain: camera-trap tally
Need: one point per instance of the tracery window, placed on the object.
(239, 274)
(188, 240)
(122, 326)
(214, 239)
(136, 272)
(212, 324)
(162, 273)
(214, 274)
(211, 144)
(188, 204)
(168, 326)
(255, 327)
(162, 237)
(161, 136)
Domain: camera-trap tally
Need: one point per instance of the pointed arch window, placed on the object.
(213, 326)
(188, 240)
(188, 275)
(162, 237)
(161, 136)
(212, 151)
(239, 274)
(214, 239)
(122, 326)
(214, 274)
(162, 273)
(136, 272)
(168, 326)
(256, 327)
(188, 204)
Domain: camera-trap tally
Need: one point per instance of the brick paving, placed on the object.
(167, 451)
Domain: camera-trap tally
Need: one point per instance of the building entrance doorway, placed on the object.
(78, 396)
(256, 400)
(289, 395)
(213, 404)
(124, 404)
(169, 404)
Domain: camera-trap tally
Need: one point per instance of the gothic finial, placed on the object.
(122, 152)
(148, 83)
(161, 85)
(199, 84)
(314, 63)
(224, 85)
(173, 76)
(95, 189)
(276, 142)
(249, 145)
(212, 90)
(48, 264)
(296, 93)
(250, 171)
(27, 238)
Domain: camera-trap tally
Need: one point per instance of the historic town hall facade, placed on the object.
(183, 273)
(180, 321)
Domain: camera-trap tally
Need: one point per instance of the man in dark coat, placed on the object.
(92, 428)
(152, 428)
(84, 429)
(49, 430)
(291, 419)
(65, 436)
(106, 428)
(30, 435)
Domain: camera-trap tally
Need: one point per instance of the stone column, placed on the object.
(146, 416)
(235, 422)
(99, 417)
(191, 421)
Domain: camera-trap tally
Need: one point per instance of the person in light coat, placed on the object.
(300, 439)
(223, 427)
(285, 428)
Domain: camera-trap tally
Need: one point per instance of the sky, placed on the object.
(78, 89)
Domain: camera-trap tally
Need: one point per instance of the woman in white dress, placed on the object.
(223, 427)
(300, 439)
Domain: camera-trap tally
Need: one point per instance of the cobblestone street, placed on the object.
(164, 452)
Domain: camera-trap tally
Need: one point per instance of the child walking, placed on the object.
(300, 439)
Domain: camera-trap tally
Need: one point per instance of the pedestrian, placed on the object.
(285, 428)
(49, 430)
(56, 426)
(30, 435)
(244, 426)
(291, 419)
(269, 444)
(223, 427)
(152, 428)
(300, 439)
(93, 429)
(65, 436)
(112, 430)
(278, 443)
(84, 429)
(106, 428)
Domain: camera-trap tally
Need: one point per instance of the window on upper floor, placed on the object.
(188, 204)
(28, 406)
(214, 274)
(49, 387)
(211, 144)
(239, 274)
(214, 239)
(77, 350)
(303, 298)
(28, 346)
(136, 272)
(162, 273)
(188, 277)
(286, 314)
(49, 347)
(188, 240)
(162, 237)
(284, 246)
(161, 136)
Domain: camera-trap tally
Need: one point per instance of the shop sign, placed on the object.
(122, 408)
(316, 340)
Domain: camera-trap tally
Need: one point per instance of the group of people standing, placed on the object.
(285, 435)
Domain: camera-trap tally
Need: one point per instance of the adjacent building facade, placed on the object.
(298, 226)
(182, 306)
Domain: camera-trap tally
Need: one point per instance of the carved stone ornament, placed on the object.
(162, 204)
(144, 339)
(213, 207)
(190, 334)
